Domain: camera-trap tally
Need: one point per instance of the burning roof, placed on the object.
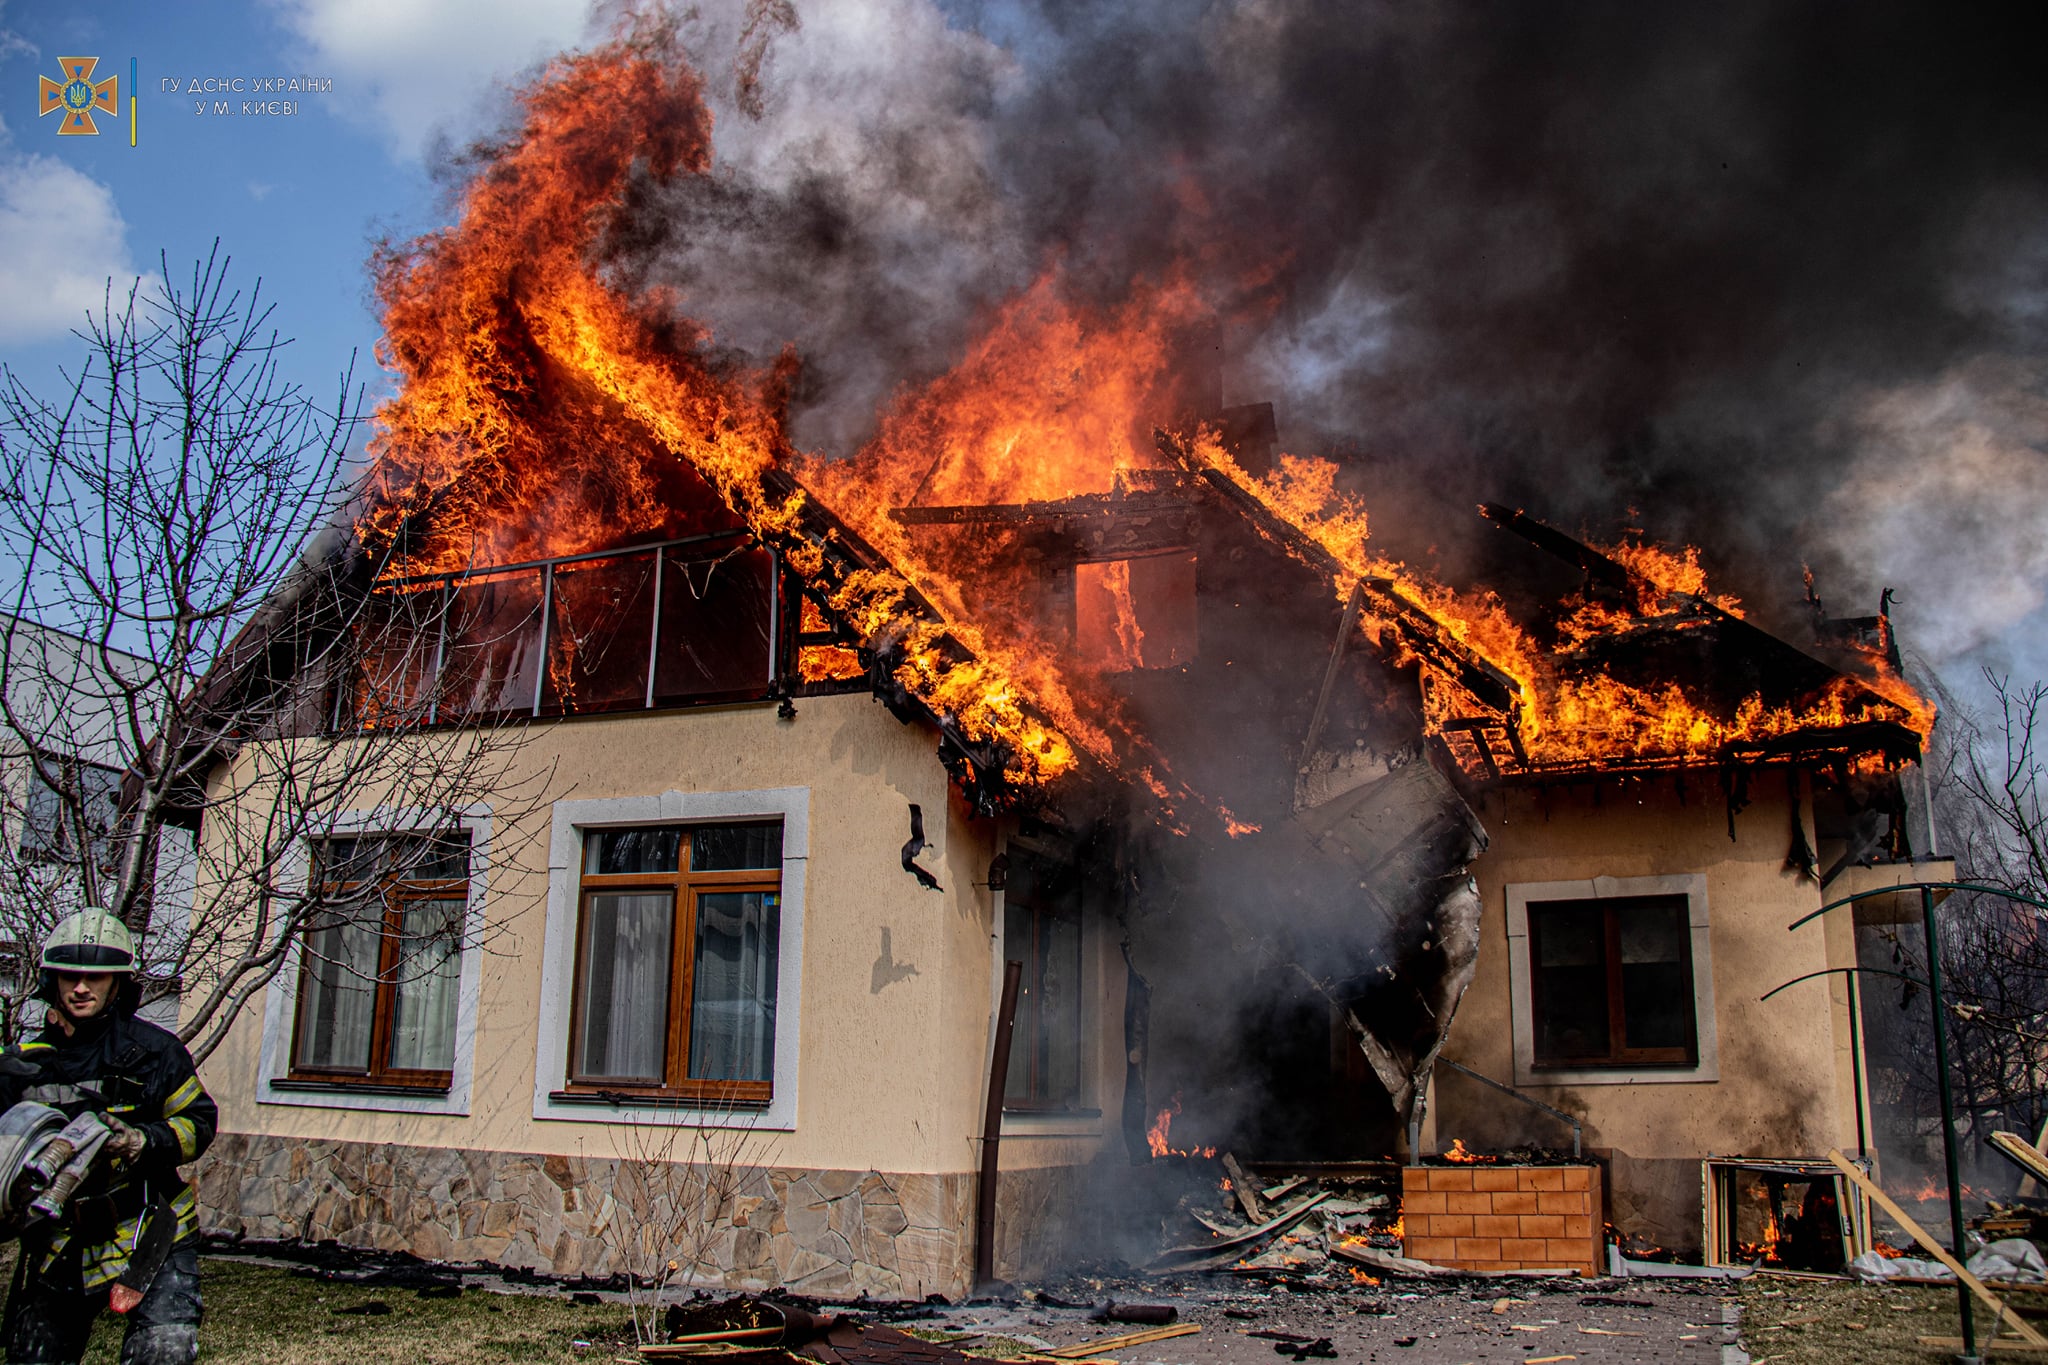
(544, 410)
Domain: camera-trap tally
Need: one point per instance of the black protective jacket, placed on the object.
(136, 1072)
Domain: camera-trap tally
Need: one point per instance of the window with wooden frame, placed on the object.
(1610, 982)
(380, 964)
(1042, 930)
(677, 940)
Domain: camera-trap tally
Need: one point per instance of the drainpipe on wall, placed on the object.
(992, 1129)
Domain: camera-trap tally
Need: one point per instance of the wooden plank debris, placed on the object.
(1101, 1344)
(2022, 1153)
(1241, 1186)
(2029, 1187)
(1935, 1249)
(1278, 1223)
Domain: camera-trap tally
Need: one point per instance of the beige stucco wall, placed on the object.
(1783, 1064)
(893, 1047)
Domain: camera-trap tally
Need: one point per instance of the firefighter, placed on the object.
(95, 1055)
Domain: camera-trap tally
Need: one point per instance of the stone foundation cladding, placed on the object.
(830, 1234)
(1505, 1217)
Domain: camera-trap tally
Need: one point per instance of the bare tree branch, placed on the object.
(199, 655)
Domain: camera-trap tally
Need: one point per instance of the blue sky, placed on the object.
(296, 200)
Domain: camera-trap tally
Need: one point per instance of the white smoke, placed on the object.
(1944, 500)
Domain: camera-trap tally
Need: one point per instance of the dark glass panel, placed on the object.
(597, 635)
(1042, 930)
(1058, 984)
(1568, 958)
(715, 613)
(1656, 982)
(616, 852)
(396, 639)
(1017, 947)
(437, 858)
(493, 655)
(407, 857)
(733, 848)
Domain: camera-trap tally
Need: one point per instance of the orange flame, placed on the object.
(543, 412)
(1561, 717)
(536, 398)
(1931, 1190)
(1157, 1136)
(1462, 1157)
(1162, 1126)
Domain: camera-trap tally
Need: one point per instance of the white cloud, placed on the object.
(418, 68)
(12, 44)
(61, 237)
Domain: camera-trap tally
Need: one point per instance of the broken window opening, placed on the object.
(677, 950)
(1136, 613)
(381, 963)
(1611, 982)
(1795, 1215)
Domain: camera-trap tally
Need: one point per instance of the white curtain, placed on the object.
(340, 1003)
(732, 1009)
(625, 986)
(429, 971)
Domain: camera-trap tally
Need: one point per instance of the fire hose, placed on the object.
(44, 1161)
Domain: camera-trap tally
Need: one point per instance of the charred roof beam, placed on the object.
(1420, 631)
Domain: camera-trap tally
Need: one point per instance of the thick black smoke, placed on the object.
(1767, 276)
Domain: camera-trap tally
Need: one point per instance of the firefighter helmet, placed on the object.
(89, 941)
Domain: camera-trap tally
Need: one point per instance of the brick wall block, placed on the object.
(1505, 1218)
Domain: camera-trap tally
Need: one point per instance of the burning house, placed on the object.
(1069, 667)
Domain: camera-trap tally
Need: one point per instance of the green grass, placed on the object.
(1826, 1322)
(264, 1315)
